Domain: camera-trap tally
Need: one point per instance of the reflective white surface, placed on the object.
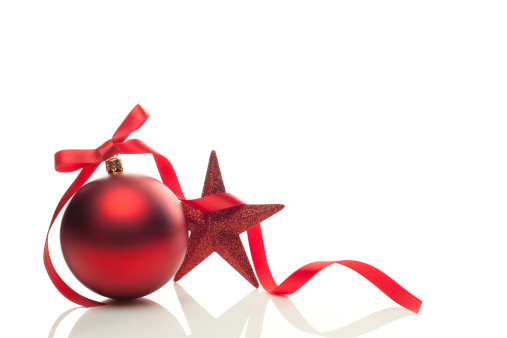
(145, 317)
(381, 125)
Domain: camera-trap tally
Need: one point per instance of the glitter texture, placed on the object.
(218, 231)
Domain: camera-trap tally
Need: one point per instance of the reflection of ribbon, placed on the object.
(88, 160)
(290, 312)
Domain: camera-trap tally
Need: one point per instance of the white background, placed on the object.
(379, 124)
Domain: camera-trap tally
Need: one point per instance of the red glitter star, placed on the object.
(218, 231)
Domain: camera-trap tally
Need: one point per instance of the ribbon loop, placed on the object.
(75, 159)
(134, 120)
(107, 150)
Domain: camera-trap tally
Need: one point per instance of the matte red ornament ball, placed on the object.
(124, 236)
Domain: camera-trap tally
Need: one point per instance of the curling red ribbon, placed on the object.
(88, 160)
(301, 276)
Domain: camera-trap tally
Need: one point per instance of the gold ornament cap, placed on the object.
(114, 165)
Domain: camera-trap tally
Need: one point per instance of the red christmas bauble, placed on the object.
(124, 236)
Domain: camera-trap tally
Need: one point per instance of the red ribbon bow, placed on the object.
(89, 159)
(75, 159)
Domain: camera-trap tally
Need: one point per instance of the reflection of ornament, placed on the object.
(133, 319)
(123, 236)
(218, 231)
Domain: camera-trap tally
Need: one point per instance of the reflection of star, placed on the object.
(218, 231)
(202, 324)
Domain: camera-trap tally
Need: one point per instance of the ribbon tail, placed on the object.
(301, 276)
(58, 282)
(168, 175)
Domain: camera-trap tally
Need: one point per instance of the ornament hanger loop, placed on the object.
(114, 165)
